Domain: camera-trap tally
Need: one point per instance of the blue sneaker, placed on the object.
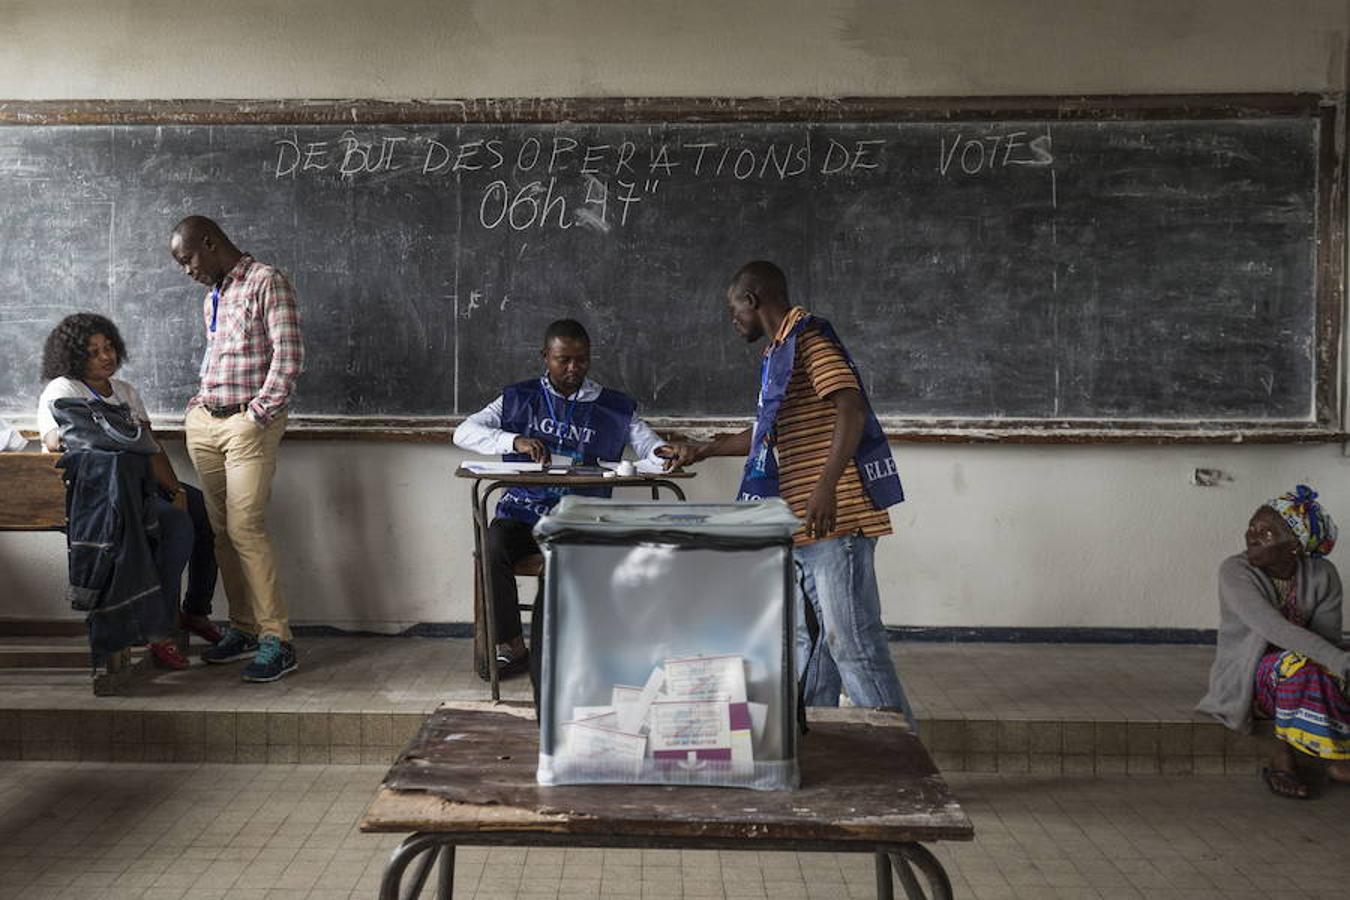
(274, 659)
(233, 646)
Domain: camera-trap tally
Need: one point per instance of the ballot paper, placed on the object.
(742, 737)
(596, 747)
(704, 677)
(691, 729)
(633, 715)
(601, 716)
(626, 695)
(590, 712)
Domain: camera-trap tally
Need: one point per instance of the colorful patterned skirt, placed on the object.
(1310, 706)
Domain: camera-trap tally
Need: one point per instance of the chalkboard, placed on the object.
(1165, 267)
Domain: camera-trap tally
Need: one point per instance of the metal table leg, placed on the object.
(899, 862)
(489, 602)
(445, 880)
(428, 847)
(885, 890)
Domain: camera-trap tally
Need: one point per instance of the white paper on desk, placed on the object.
(706, 677)
(643, 466)
(633, 715)
(603, 747)
(498, 467)
(690, 725)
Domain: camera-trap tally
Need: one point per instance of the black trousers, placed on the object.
(201, 569)
(508, 542)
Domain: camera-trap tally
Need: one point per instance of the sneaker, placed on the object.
(507, 665)
(234, 645)
(274, 659)
(167, 655)
(201, 626)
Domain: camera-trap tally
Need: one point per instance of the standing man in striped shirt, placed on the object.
(817, 444)
(233, 427)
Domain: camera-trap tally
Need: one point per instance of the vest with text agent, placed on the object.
(876, 466)
(583, 432)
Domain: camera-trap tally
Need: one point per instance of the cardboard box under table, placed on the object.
(668, 642)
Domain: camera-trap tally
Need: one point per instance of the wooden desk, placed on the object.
(468, 778)
(484, 613)
(32, 494)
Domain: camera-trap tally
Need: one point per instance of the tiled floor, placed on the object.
(106, 831)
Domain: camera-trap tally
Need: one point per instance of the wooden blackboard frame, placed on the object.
(1327, 109)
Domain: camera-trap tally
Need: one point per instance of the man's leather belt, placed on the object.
(224, 412)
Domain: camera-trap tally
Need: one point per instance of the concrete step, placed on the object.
(355, 737)
(1031, 708)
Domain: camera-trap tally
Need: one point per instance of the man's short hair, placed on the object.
(763, 278)
(192, 229)
(570, 329)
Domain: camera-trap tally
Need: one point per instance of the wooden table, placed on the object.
(484, 613)
(34, 494)
(468, 778)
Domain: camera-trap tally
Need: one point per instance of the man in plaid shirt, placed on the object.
(233, 427)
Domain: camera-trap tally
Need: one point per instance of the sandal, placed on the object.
(1284, 784)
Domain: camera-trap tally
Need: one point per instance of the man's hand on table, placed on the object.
(536, 448)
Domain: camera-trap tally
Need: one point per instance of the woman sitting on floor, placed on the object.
(80, 357)
(1279, 655)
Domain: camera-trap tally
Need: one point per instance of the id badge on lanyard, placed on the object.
(210, 332)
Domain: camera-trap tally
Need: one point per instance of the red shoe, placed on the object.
(167, 655)
(201, 626)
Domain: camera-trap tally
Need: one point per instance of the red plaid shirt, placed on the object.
(256, 353)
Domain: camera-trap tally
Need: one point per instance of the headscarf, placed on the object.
(1311, 524)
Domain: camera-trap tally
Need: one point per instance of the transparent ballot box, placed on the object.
(667, 644)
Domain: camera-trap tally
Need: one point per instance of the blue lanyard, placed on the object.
(571, 408)
(97, 395)
(215, 306)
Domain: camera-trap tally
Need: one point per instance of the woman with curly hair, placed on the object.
(80, 357)
(1279, 655)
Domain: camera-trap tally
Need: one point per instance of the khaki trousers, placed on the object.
(235, 461)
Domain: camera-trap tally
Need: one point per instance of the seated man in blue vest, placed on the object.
(558, 418)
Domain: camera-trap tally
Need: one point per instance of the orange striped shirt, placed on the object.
(805, 429)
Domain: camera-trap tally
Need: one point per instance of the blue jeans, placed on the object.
(838, 578)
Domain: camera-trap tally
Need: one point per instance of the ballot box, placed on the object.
(667, 644)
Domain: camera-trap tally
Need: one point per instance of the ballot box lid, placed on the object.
(767, 520)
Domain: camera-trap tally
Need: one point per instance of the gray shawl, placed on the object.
(1250, 620)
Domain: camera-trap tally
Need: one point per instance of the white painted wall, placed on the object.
(376, 535)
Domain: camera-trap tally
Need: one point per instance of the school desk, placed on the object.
(484, 617)
(468, 779)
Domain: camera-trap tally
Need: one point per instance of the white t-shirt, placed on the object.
(123, 395)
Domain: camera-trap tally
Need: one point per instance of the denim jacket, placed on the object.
(112, 535)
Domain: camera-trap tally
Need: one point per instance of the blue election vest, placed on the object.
(876, 466)
(583, 432)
